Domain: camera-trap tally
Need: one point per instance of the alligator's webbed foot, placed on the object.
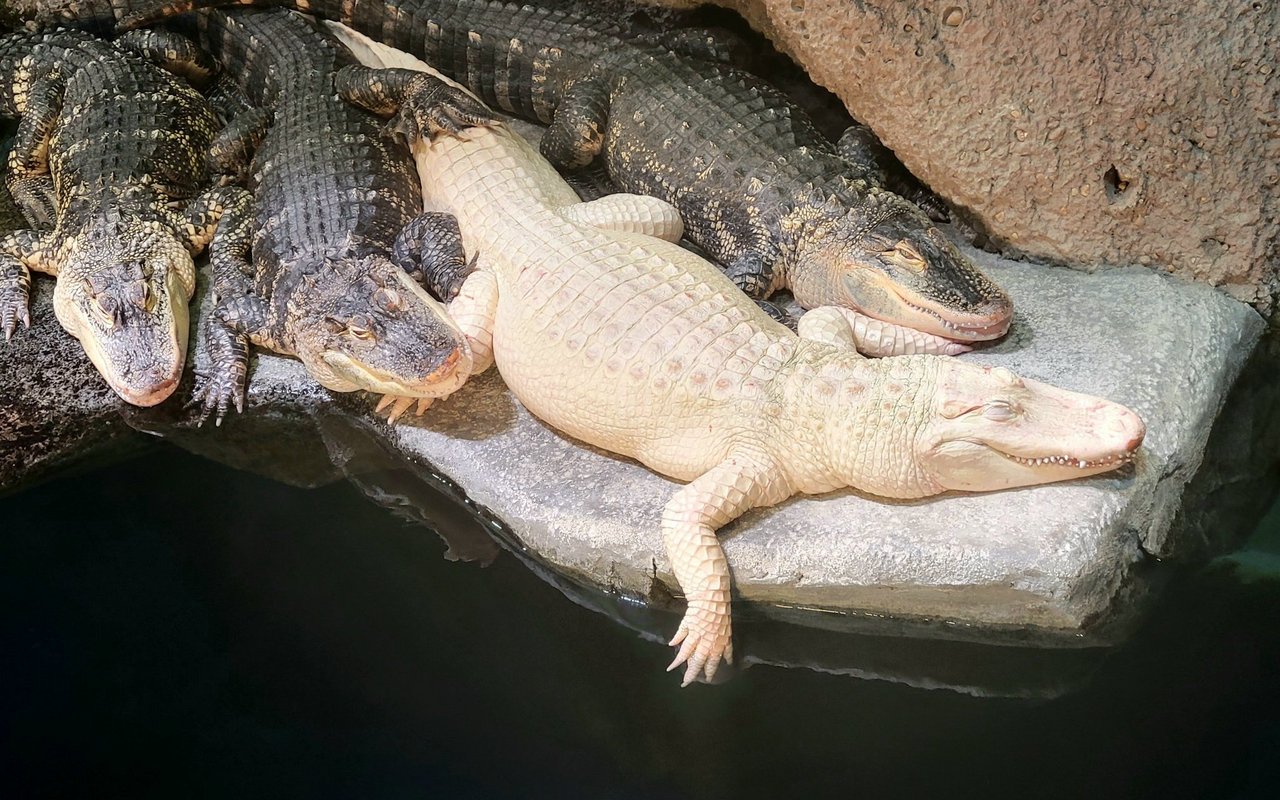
(705, 637)
(173, 52)
(429, 248)
(751, 273)
(15, 285)
(576, 134)
(423, 105)
(221, 385)
(35, 195)
(20, 252)
(746, 480)
(396, 406)
(232, 151)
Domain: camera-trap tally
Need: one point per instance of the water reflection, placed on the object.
(250, 638)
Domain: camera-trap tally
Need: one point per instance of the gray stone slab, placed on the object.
(1053, 558)
(1048, 557)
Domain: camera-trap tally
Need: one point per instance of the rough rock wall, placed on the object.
(1080, 132)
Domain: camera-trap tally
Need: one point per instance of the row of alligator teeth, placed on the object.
(1068, 461)
(946, 323)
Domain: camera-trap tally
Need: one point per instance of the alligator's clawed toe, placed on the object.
(438, 108)
(398, 405)
(704, 638)
(13, 310)
(215, 394)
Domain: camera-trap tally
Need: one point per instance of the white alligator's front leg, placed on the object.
(847, 329)
(474, 311)
(630, 213)
(689, 524)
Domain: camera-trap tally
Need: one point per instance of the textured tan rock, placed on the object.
(1080, 132)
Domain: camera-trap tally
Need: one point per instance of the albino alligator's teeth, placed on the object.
(1083, 464)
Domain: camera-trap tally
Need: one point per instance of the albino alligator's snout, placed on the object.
(995, 430)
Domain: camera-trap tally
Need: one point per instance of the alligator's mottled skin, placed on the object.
(631, 343)
(759, 188)
(331, 194)
(109, 151)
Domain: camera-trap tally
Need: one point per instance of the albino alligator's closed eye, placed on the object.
(999, 411)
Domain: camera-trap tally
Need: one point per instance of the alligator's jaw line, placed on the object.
(1109, 462)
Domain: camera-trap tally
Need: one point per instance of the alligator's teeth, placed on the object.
(1083, 464)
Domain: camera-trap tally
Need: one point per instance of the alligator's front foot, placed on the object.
(421, 105)
(222, 385)
(397, 406)
(437, 107)
(705, 636)
(15, 284)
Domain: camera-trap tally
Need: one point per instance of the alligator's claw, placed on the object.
(215, 393)
(399, 405)
(15, 283)
(222, 386)
(705, 636)
(439, 108)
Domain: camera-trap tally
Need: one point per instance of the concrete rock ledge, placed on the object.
(1050, 557)
(1047, 560)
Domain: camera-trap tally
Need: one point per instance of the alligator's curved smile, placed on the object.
(948, 322)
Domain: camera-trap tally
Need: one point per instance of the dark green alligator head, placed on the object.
(365, 324)
(877, 253)
(123, 290)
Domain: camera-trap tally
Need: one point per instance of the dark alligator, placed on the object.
(110, 154)
(309, 267)
(760, 189)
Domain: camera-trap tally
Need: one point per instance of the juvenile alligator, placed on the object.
(331, 194)
(634, 344)
(760, 189)
(109, 150)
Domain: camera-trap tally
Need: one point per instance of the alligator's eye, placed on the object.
(334, 325)
(999, 411)
(106, 308)
(360, 327)
(388, 300)
(905, 255)
(139, 294)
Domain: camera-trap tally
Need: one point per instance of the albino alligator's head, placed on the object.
(882, 256)
(123, 290)
(365, 324)
(991, 429)
(915, 426)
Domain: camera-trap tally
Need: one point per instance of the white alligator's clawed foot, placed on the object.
(395, 406)
(705, 636)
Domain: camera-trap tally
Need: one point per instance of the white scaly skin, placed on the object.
(633, 344)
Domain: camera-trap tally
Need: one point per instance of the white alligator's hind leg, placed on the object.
(630, 213)
(689, 524)
(847, 329)
(474, 310)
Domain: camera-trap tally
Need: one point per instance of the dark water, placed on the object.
(173, 628)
